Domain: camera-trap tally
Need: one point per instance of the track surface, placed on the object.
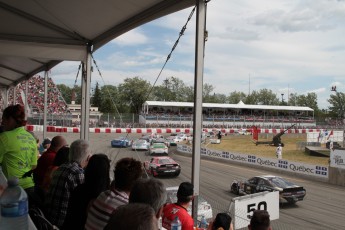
(323, 207)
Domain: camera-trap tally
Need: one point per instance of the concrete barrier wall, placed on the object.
(337, 176)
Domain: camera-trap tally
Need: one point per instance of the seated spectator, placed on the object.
(61, 157)
(122, 218)
(65, 179)
(97, 180)
(185, 194)
(45, 145)
(221, 222)
(151, 192)
(127, 172)
(47, 159)
(260, 221)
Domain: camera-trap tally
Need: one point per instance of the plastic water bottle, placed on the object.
(176, 224)
(3, 181)
(14, 207)
(203, 223)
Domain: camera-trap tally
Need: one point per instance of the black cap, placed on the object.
(185, 189)
(46, 141)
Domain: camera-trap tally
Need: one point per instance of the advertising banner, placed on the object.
(325, 135)
(296, 167)
(337, 158)
(242, 208)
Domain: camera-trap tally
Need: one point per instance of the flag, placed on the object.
(330, 134)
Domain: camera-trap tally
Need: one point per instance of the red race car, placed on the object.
(161, 166)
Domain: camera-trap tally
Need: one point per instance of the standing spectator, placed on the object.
(127, 172)
(97, 180)
(18, 148)
(65, 179)
(133, 216)
(185, 194)
(47, 159)
(279, 151)
(260, 221)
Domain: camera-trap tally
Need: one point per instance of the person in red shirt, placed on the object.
(47, 159)
(185, 194)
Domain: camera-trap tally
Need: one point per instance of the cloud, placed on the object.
(131, 38)
(309, 15)
(239, 34)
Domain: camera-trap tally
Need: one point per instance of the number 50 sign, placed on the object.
(242, 208)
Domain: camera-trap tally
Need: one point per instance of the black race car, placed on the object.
(288, 191)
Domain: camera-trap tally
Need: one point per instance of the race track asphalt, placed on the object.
(322, 208)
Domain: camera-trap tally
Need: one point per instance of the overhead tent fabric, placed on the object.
(36, 35)
(240, 105)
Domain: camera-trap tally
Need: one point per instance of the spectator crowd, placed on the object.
(72, 187)
(56, 103)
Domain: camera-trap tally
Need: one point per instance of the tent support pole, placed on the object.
(45, 99)
(198, 87)
(85, 97)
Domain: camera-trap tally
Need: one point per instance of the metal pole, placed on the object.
(14, 95)
(45, 104)
(26, 99)
(198, 87)
(85, 102)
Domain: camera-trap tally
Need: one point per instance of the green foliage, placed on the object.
(235, 97)
(96, 97)
(134, 92)
(337, 104)
(66, 92)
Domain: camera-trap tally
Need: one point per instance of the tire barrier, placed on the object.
(59, 129)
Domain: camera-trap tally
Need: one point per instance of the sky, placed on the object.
(288, 46)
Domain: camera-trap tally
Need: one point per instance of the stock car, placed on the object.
(204, 208)
(162, 166)
(158, 148)
(140, 144)
(121, 142)
(288, 191)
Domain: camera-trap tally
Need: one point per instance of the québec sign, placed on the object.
(296, 167)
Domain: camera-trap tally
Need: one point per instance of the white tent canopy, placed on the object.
(227, 106)
(37, 35)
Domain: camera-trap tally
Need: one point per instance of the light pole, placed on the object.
(282, 98)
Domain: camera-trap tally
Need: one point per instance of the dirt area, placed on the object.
(291, 149)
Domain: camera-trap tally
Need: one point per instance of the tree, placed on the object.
(293, 99)
(267, 97)
(206, 93)
(235, 97)
(134, 92)
(109, 102)
(337, 102)
(96, 98)
(309, 100)
(252, 99)
(66, 92)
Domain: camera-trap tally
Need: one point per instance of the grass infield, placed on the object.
(291, 150)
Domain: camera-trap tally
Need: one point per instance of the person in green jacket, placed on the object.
(18, 148)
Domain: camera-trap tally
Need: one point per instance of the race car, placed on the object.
(140, 145)
(288, 191)
(158, 148)
(121, 142)
(159, 166)
(204, 208)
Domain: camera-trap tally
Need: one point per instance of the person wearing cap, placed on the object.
(185, 194)
(45, 145)
(279, 151)
(18, 148)
(260, 221)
